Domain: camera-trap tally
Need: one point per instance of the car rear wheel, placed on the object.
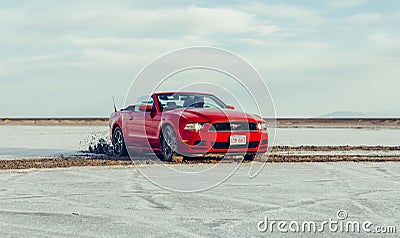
(119, 142)
(168, 143)
(249, 157)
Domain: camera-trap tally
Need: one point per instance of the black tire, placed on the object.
(118, 142)
(249, 157)
(168, 143)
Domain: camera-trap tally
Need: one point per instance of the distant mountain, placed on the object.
(344, 114)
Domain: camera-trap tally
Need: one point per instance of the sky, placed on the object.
(68, 58)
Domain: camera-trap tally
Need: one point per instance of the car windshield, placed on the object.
(189, 100)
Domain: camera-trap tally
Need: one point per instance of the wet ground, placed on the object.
(24, 147)
(66, 141)
(280, 154)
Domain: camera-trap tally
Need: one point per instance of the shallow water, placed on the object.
(51, 141)
(337, 136)
(47, 141)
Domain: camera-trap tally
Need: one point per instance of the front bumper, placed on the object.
(190, 142)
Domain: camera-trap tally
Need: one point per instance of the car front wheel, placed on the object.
(168, 143)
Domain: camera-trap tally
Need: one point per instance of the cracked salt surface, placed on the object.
(119, 202)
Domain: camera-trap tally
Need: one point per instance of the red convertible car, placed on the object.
(189, 124)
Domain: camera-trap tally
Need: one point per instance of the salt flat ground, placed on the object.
(120, 202)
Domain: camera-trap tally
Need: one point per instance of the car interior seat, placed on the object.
(188, 103)
(171, 105)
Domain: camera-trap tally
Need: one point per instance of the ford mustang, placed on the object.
(188, 124)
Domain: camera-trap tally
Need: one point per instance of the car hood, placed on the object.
(208, 114)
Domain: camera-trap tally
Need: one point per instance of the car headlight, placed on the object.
(262, 126)
(194, 126)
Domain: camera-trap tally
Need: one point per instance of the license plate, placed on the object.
(237, 140)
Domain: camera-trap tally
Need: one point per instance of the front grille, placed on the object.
(234, 126)
(199, 142)
(226, 145)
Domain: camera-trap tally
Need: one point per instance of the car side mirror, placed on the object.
(231, 107)
(145, 108)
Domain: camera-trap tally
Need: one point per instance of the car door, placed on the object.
(127, 118)
(140, 124)
(153, 120)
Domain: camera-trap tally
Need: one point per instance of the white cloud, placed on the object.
(9, 16)
(365, 18)
(387, 42)
(297, 14)
(346, 3)
(302, 45)
(372, 19)
(135, 21)
(130, 42)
